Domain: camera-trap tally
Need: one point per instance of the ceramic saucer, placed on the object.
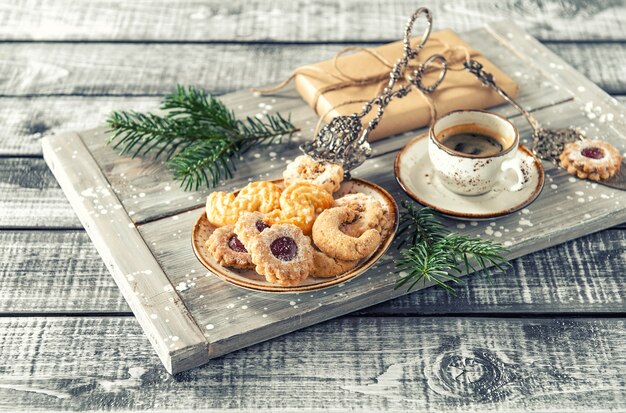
(416, 176)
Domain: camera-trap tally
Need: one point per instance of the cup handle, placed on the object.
(516, 165)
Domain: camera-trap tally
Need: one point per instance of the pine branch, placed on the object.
(198, 136)
(434, 254)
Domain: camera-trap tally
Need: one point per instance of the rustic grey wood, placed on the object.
(40, 69)
(31, 197)
(55, 272)
(164, 317)
(62, 273)
(26, 120)
(393, 364)
(301, 21)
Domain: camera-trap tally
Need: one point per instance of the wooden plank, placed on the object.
(31, 197)
(153, 69)
(394, 364)
(61, 272)
(55, 272)
(26, 120)
(155, 303)
(296, 21)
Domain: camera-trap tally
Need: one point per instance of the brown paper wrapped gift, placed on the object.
(329, 86)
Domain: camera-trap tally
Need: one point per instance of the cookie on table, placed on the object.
(283, 254)
(591, 159)
(370, 213)
(325, 266)
(251, 224)
(323, 174)
(329, 238)
(300, 204)
(227, 249)
(225, 208)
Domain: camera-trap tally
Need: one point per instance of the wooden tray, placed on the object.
(140, 221)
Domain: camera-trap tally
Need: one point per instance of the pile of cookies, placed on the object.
(288, 234)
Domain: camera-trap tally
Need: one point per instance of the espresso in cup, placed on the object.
(472, 150)
(472, 140)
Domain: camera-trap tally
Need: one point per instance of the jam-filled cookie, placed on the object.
(251, 224)
(227, 249)
(282, 254)
(591, 159)
(300, 204)
(329, 238)
(224, 208)
(306, 169)
(370, 213)
(325, 266)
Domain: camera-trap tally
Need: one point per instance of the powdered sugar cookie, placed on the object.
(369, 210)
(325, 266)
(227, 249)
(306, 169)
(251, 224)
(591, 159)
(329, 238)
(282, 254)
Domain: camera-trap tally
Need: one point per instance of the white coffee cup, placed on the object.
(467, 174)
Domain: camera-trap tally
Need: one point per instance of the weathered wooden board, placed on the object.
(165, 318)
(60, 272)
(42, 69)
(393, 364)
(299, 21)
(230, 318)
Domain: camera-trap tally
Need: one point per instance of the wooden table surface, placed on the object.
(548, 335)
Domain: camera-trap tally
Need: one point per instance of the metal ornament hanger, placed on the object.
(343, 140)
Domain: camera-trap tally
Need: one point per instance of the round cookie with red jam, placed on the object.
(227, 249)
(591, 159)
(249, 225)
(282, 254)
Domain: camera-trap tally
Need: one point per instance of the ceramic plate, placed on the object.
(251, 280)
(416, 176)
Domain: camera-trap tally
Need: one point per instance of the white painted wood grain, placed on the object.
(372, 364)
(155, 303)
(61, 272)
(299, 21)
(40, 69)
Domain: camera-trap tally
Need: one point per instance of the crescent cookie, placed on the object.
(224, 208)
(325, 266)
(227, 250)
(329, 238)
(250, 224)
(282, 254)
(370, 213)
(306, 169)
(300, 204)
(591, 159)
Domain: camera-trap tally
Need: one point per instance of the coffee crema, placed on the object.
(472, 140)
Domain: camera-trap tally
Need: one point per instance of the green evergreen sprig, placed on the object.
(197, 135)
(429, 252)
